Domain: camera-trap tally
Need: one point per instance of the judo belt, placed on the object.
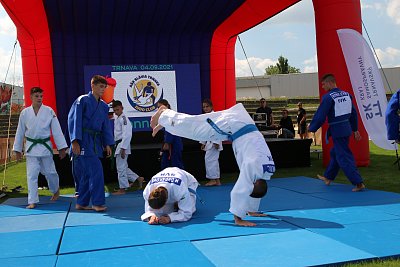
(330, 124)
(232, 137)
(113, 153)
(39, 141)
(94, 134)
(197, 195)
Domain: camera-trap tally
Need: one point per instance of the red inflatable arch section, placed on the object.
(347, 14)
(34, 38)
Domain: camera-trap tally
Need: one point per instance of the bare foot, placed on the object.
(140, 181)
(31, 206)
(156, 116)
(323, 178)
(79, 207)
(55, 196)
(359, 187)
(240, 222)
(119, 192)
(99, 208)
(256, 214)
(212, 183)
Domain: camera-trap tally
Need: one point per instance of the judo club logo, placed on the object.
(143, 93)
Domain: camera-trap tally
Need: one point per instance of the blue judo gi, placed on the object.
(89, 124)
(342, 119)
(392, 118)
(173, 157)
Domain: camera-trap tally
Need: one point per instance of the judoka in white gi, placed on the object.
(122, 138)
(212, 149)
(36, 123)
(251, 151)
(90, 134)
(170, 196)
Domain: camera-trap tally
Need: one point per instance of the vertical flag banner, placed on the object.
(367, 85)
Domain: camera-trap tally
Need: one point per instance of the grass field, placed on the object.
(380, 175)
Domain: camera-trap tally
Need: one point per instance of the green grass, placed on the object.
(380, 175)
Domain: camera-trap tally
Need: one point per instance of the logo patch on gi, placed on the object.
(270, 168)
(171, 180)
(124, 119)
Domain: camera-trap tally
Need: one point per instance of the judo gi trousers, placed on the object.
(46, 166)
(89, 172)
(342, 158)
(125, 175)
(212, 164)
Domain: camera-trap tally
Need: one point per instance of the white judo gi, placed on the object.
(211, 159)
(39, 157)
(251, 151)
(177, 182)
(122, 137)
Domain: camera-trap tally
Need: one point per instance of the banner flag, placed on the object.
(367, 85)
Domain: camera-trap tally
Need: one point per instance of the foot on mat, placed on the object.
(323, 178)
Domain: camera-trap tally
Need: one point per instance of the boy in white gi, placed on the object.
(122, 137)
(36, 124)
(170, 196)
(251, 151)
(212, 150)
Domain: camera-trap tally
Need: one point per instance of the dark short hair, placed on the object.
(262, 99)
(96, 79)
(260, 188)
(207, 101)
(158, 198)
(164, 102)
(328, 78)
(116, 103)
(36, 89)
(285, 110)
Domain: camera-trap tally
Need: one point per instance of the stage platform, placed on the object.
(309, 224)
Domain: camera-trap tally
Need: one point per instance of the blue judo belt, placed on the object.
(233, 136)
(197, 195)
(330, 124)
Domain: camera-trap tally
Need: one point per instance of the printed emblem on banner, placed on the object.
(144, 93)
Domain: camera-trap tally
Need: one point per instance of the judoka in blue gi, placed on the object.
(90, 133)
(171, 151)
(342, 119)
(392, 118)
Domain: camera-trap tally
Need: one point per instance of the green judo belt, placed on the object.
(37, 141)
(113, 153)
(94, 134)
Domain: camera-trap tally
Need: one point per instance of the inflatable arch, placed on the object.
(59, 37)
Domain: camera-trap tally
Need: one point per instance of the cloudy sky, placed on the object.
(291, 34)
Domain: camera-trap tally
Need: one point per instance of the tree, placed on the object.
(282, 67)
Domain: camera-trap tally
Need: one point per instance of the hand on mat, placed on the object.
(153, 219)
(165, 219)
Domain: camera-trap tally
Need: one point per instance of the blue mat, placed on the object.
(37, 261)
(283, 199)
(309, 223)
(382, 239)
(29, 243)
(33, 222)
(333, 217)
(168, 254)
(95, 237)
(290, 248)
(367, 197)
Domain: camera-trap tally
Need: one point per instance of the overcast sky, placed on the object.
(290, 33)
